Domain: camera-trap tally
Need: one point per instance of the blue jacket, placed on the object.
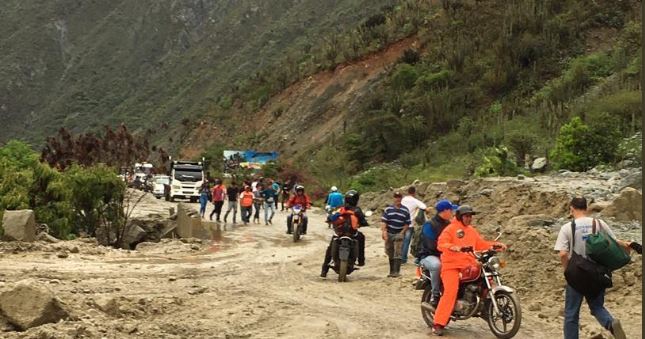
(335, 199)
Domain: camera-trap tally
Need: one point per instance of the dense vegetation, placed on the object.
(76, 201)
(156, 66)
(498, 83)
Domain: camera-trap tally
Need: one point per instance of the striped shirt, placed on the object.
(395, 218)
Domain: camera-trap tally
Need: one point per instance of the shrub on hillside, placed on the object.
(580, 147)
(497, 161)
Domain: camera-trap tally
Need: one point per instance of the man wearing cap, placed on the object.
(459, 234)
(428, 254)
(413, 205)
(394, 223)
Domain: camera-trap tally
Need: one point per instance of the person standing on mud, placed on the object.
(232, 193)
(270, 196)
(572, 298)
(218, 193)
(204, 197)
(413, 205)
(394, 223)
(276, 187)
(246, 204)
(257, 202)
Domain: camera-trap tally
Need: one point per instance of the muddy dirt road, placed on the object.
(246, 282)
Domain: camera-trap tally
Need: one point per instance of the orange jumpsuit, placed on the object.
(455, 234)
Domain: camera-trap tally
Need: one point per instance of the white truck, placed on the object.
(186, 179)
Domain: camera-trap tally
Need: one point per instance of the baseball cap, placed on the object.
(398, 194)
(444, 204)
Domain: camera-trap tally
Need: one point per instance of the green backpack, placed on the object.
(604, 249)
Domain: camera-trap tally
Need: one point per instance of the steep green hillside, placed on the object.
(82, 64)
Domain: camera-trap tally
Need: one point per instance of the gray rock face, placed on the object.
(19, 225)
(539, 165)
(627, 206)
(30, 304)
(134, 235)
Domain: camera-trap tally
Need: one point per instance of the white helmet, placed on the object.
(334, 188)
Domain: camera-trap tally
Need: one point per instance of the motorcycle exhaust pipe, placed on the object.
(427, 307)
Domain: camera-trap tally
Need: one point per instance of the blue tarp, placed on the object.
(260, 157)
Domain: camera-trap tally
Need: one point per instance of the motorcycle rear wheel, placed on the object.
(511, 313)
(342, 272)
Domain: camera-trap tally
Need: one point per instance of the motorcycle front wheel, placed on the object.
(342, 272)
(296, 232)
(506, 324)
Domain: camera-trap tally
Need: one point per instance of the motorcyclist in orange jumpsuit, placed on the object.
(459, 234)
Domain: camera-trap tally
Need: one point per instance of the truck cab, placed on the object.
(186, 179)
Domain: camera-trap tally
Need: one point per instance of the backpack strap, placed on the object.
(593, 226)
(573, 235)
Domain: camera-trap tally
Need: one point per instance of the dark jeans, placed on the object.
(360, 256)
(257, 206)
(305, 221)
(246, 213)
(572, 303)
(217, 209)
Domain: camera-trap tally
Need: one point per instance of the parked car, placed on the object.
(160, 184)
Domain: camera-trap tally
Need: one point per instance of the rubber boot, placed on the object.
(397, 268)
(391, 269)
(325, 269)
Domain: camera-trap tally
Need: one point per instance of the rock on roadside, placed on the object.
(627, 206)
(19, 225)
(30, 304)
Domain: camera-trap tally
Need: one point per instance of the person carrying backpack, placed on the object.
(574, 234)
(427, 253)
(415, 206)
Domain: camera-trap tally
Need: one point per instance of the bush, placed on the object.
(496, 161)
(580, 147)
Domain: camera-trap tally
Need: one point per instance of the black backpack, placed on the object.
(585, 276)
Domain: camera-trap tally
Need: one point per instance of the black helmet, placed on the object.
(351, 198)
(464, 209)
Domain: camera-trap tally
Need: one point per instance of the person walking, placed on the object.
(270, 196)
(232, 194)
(276, 187)
(414, 205)
(573, 299)
(394, 223)
(218, 194)
(246, 204)
(204, 197)
(286, 191)
(258, 200)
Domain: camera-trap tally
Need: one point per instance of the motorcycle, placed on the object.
(481, 294)
(296, 221)
(344, 249)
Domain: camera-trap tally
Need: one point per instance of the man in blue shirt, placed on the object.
(428, 254)
(394, 223)
(335, 199)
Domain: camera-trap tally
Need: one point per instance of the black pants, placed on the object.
(217, 210)
(257, 206)
(361, 251)
(246, 213)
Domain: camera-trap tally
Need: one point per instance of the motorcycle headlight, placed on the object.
(494, 262)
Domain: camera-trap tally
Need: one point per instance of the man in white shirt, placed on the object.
(413, 205)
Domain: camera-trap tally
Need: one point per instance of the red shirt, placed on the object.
(302, 200)
(246, 199)
(218, 193)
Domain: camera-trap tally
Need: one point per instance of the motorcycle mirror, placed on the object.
(369, 213)
(499, 231)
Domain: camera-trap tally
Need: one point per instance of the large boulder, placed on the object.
(539, 165)
(19, 225)
(627, 206)
(188, 221)
(133, 235)
(30, 304)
